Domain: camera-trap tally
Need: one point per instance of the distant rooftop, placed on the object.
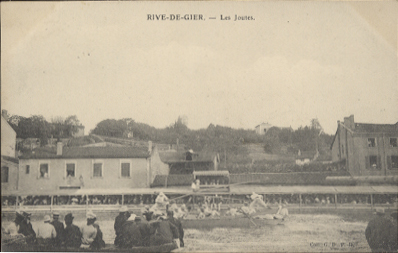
(385, 128)
(87, 152)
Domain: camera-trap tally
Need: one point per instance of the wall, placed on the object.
(12, 183)
(79, 133)
(157, 166)
(382, 150)
(8, 139)
(110, 178)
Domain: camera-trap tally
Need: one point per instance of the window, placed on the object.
(27, 169)
(70, 170)
(392, 162)
(44, 170)
(97, 170)
(371, 142)
(393, 142)
(373, 162)
(125, 169)
(4, 174)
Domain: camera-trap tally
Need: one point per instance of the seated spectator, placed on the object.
(177, 223)
(123, 216)
(46, 233)
(25, 227)
(89, 232)
(59, 228)
(130, 234)
(164, 232)
(72, 235)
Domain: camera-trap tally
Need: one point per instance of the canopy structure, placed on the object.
(211, 173)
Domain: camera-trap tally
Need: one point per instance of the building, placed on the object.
(263, 128)
(110, 167)
(366, 149)
(79, 132)
(9, 162)
(188, 161)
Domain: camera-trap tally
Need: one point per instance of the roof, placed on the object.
(87, 152)
(211, 173)
(10, 159)
(370, 128)
(180, 157)
(376, 128)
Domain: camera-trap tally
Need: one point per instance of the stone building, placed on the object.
(366, 149)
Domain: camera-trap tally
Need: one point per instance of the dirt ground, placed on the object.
(309, 232)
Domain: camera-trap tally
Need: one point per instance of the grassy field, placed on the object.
(310, 231)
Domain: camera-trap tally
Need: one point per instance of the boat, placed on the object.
(108, 248)
(230, 222)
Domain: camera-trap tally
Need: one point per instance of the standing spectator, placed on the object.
(59, 228)
(72, 235)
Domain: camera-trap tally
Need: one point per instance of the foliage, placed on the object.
(36, 126)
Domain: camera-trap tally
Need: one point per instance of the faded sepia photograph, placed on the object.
(199, 126)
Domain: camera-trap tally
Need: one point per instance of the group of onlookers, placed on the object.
(152, 229)
(53, 233)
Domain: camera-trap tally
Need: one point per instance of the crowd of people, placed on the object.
(213, 200)
(154, 228)
(51, 232)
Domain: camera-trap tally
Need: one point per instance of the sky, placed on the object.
(296, 61)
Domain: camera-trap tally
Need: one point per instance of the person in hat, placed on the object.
(161, 201)
(378, 232)
(46, 233)
(123, 216)
(72, 235)
(89, 232)
(59, 228)
(143, 226)
(130, 234)
(147, 213)
(25, 227)
(177, 223)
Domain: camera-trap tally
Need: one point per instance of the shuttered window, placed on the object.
(70, 170)
(125, 169)
(392, 162)
(4, 174)
(97, 170)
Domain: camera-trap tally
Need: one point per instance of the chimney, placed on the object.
(59, 148)
(4, 114)
(349, 122)
(150, 147)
